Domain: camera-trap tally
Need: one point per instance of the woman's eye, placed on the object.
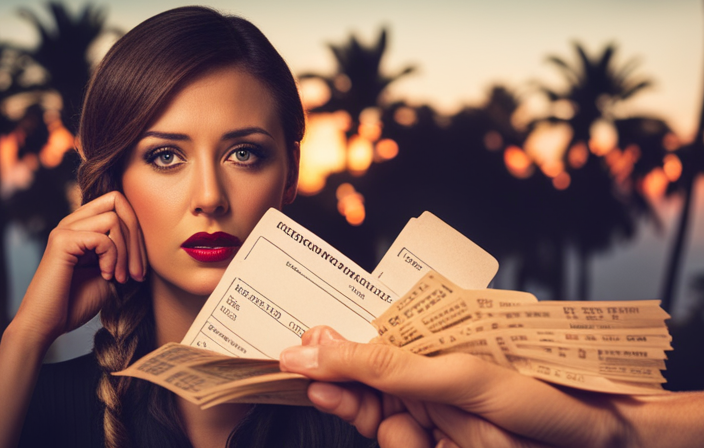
(242, 155)
(164, 158)
(246, 156)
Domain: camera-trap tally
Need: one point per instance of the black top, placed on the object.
(65, 412)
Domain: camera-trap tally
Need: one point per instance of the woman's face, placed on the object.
(202, 175)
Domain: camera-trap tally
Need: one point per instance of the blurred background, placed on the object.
(563, 137)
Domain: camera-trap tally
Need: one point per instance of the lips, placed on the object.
(211, 248)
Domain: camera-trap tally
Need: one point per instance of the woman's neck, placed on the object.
(210, 427)
(174, 312)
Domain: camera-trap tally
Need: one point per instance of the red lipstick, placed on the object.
(211, 248)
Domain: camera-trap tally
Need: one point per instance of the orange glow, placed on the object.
(655, 183)
(370, 131)
(386, 149)
(344, 190)
(517, 162)
(342, 83)
(359, 155)
(493, 141)
(60, 140)
(370, 124)
(15, 173)
(405, 116)
(671, 142)
(562, 181)
(552, 168)
(577, 155)
(314, 92)
(548, 142)
(350, 204)
(322, 151)
(603, 137)
(563, 109)
(342, 120)
(672, 166)
(621, 162)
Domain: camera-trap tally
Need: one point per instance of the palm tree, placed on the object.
(594, 87)
(692, 156)
(62, 57)
(62, 52)
(358, 82)
(594, 216)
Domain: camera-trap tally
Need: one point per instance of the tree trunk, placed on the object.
(675, 259)
(4, 283)
(583, 274)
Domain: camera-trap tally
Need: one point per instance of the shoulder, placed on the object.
(65, 408)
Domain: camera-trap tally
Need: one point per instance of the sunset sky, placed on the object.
(463, 47)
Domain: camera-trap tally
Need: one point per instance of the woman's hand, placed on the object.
(96, 243)
(460, 400)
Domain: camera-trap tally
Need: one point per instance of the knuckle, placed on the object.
(381, 360)
(56, 237)
(112, 219)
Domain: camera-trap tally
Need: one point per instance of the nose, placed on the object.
(209, 193)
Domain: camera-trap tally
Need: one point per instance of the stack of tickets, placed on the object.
(615, 347)
(208, 378)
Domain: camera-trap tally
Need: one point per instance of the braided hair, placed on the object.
(127, 91)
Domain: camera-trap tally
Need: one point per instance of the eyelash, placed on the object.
(151, 156)
(260, 155)
(253, 150)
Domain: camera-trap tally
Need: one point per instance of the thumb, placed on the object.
(455, 379)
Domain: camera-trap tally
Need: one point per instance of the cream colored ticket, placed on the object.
(283, 281)
(428, 244)
(204, 377)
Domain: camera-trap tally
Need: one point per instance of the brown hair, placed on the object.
(130, 87)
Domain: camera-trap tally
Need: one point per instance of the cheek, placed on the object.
(254, 198)
(156, 208)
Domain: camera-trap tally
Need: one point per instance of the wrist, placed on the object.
(26, 338)
(671, 420)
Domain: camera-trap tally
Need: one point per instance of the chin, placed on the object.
(199, 283)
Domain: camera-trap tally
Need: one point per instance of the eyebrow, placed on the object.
(227, 136)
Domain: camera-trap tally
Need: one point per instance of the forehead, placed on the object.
(225, 97)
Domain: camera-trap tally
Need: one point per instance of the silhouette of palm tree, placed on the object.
(593, 214)
(692, 156)
(358, 82)
(693, 167)
(594, 87)
(62, 52)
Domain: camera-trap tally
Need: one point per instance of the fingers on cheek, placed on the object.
(403, 431)
(107, 256)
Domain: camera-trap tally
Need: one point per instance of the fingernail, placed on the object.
(325, 395)
(299, 358)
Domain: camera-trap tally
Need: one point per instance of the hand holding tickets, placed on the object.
(285, 280)
(616, 347)
(458, 400)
